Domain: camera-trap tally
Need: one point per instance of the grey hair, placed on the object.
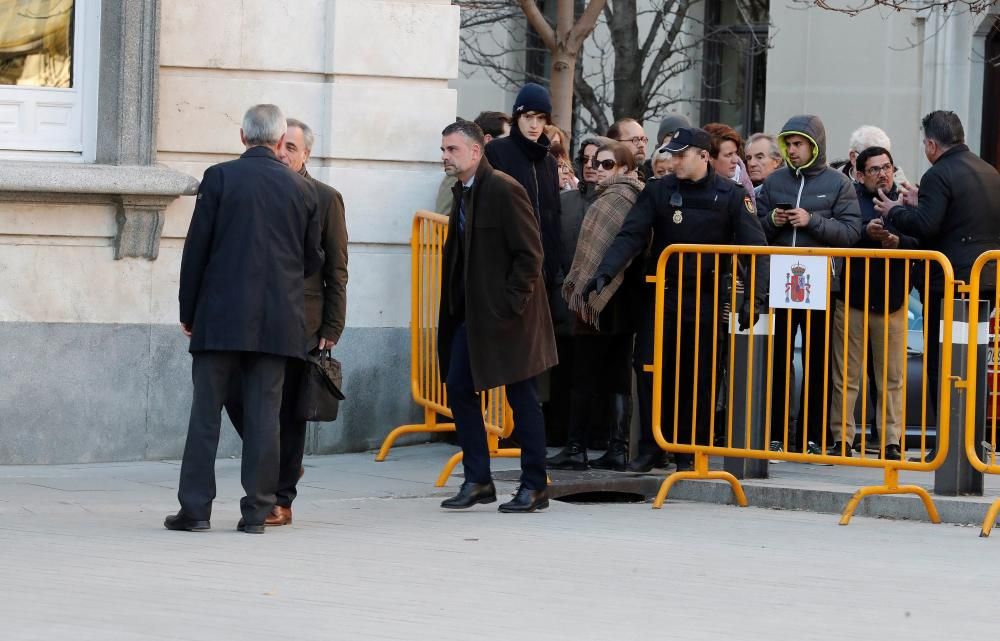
(263, 125)
(307, 133)
(867, 136)
(772, 151)
(661, 153)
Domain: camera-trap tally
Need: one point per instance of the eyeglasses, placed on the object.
(587, 160)
(606, 165)
(564, 169)
(875, 171)
(635, 140)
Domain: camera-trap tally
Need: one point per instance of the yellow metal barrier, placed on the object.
(987, 463)
(690, 331)
(426, 255)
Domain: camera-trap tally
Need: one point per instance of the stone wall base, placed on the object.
(89, 392)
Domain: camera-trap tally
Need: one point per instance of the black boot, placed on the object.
(647, 461)
(617, 455)
(574, 455)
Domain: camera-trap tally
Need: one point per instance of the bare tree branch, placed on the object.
(539, 23)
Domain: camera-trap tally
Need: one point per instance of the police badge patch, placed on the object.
(749, 205)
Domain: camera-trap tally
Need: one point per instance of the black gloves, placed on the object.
(743, 320)
(595, 285)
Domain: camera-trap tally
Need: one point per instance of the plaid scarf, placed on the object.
(601, 224)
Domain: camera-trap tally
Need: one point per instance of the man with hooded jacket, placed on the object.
(805, 204)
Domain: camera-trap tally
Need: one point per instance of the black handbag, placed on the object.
(319, 392)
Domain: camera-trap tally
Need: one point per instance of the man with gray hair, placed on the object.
(763, 157)
(325, 309)
(254, 236)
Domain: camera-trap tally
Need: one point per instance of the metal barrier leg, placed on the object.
(891, 486)
(991, 518)
(749, 468)
(700, 473)
(430, 425)
(956, 476)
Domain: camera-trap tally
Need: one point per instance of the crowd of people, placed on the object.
(544, 271)
(546, 260)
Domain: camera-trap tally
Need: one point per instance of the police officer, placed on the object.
(693, 205)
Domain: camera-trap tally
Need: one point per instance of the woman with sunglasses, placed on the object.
(605, 325)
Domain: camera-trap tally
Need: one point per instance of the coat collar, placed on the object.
(954, 149)
(534, 150)
(260, 151)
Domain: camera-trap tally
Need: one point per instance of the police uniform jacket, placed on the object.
(713, 211)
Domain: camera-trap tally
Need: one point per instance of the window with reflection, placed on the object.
(36, 43)
(735, 63)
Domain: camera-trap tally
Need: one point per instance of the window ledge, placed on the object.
(141, 194)
(75, 178)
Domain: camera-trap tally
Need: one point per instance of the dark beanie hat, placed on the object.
(532, 97)
(670, 124)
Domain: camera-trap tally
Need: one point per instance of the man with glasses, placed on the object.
(692, 205)
(630, 132)
(884, 308)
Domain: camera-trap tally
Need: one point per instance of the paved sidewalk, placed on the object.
(371, 556)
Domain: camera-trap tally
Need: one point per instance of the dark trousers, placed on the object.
(783, 366)
(292, 433)
(529, 425)
(262, 376)
(694, 396)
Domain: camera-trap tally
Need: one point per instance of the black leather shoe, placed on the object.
(646, 462)
(526, 500)
(471, 494)
(183, 523)
(250, 529)
(835, 449)
(892, 453)
(572, 457)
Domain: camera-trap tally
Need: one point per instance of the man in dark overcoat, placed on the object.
(957, 213)
(494, 324)
(254, 235)
(325, 309)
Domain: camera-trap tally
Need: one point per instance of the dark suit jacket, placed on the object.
(326, 290)
(503, 303)
(253, 238)
(957, 213)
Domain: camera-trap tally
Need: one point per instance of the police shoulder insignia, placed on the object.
(749, 205)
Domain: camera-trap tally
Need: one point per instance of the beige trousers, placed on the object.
(844, 385)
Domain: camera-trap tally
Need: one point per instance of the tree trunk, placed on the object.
(627, 102)
(564, 43)
(561, 88)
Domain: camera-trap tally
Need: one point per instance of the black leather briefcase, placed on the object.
(319, 392)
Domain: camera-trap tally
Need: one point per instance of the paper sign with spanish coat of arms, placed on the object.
(798, 282)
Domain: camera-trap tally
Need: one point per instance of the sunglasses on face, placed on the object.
(607, 165)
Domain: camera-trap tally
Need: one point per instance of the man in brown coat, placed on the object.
(494, 326)
(325, 309)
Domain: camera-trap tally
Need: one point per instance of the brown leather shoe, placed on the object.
(279, 516)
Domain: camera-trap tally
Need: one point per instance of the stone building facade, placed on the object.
(93, 366)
